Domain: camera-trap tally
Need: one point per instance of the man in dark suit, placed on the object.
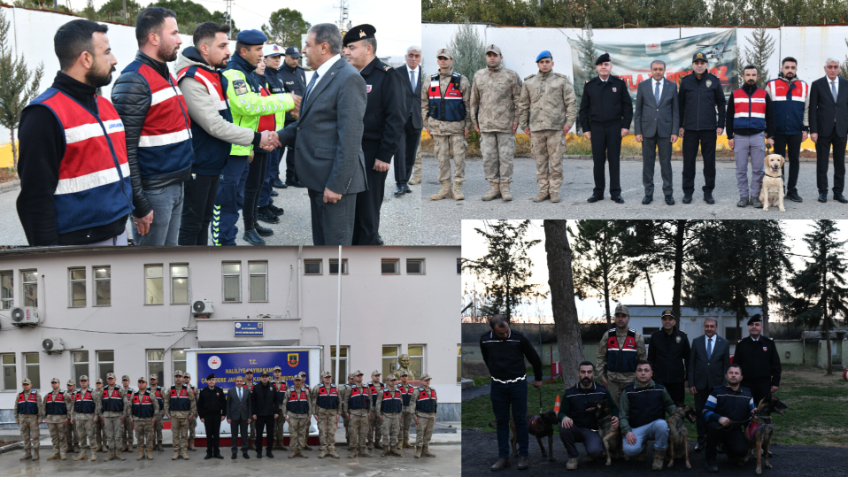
(829, 127)
(212, 408)
(411, 76)
(657, 120)
(708, 361)
(328, 151)
(238, 415)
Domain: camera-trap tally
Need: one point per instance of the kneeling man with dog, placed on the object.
(643, 407)
(579, 415)
(727, 413)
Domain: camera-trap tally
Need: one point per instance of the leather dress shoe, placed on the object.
(267, 216)
(669, 200)
(278, 211)
(208, 456)
(245, 455)
(840, 198)
(252, 237)
(258, 455)
(595, 198)
(263, 231)
(294, 183)
(379, 241)
(687, 198)
(708, 197)
(647, 199)
(269, 454)
(618, 200)
(278, 184)
(235, 454)
(273, 193)
(712, 466)
(399, 191)
(501, 464)
(823, 198)
(218, 455)
(406, 189)
(523, 462)
(794, 197)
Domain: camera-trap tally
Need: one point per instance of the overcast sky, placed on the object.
(474, 246)
(398, 22)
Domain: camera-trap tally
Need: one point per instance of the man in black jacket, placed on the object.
(72, 211)
(212, 409)
(829, 127)
(700, 95)
(412, 77)
(504, 351)
(668, 354)
(294, 79)
(757, 356)
(264, 403)
(578, 418)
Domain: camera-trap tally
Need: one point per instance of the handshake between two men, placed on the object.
(271, 139)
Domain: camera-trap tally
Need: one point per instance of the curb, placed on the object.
(11, 185)
(11, 447)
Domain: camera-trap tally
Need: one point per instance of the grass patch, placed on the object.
(816, 414)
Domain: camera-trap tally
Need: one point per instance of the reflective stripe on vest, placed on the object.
(181, 401)
(789, 102)
(621, 360)
(392, 401)
(448, 106)
(426, 401)
(55, 406)
(372, 389)
(212, 82)
(29, 404)
(327, 399)
(406, 393)
(142, 405)
(83, 403)
(112, 402)
(158, 395)
(359, 399)
(298, 401)
(749, 111)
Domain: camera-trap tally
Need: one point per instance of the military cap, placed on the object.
(211, 376)
(27, 381)
(142, 379)
(85, 378)
(358, 373)
(621, 309)
(277, 368)
(110, 376)
(543, 55)
(602, 59)
(376, 372)
(699, 57)
(444, 53)
(249, 371)
(154, 376)
(298, 377)
(326, 374)
(391, 377)
(264, 374)
(71, 382)
(493, 49)
(186, 374)
(668, 312)
(271, 50)
(125, 377)
(99, 381)
(403, 373)
(359, 32)
(425, 377)
(251, 37)
(302, 374)
(755, 319)
(351, 375)
(54, 380)
(293, 52)
(178, 373)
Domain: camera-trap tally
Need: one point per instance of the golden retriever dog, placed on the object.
(772, 192)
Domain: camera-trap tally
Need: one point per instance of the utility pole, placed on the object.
(344, 19)
(126, 14)
(229, 18)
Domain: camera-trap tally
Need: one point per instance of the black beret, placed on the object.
(755, 319)
(359, 32)
(211, 376)
(602, 59)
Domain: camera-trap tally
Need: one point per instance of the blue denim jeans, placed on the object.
(657, 430)
(167, 204)
(503, 397)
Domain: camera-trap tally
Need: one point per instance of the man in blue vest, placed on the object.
(790, 96)
(727, 410)
(144, 408)
(29, 413)
(578, 417)
(618, 352)
(426, 407)
(56, 405)
(643, 407)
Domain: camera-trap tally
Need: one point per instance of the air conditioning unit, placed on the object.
(25, 315)
(53, 345)
(201, 308)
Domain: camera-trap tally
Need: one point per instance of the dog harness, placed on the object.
(752, 429)
(533, 424)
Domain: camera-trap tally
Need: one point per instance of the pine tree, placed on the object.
(762, 48)
(467, 49)
(587, 53)
(772, 265)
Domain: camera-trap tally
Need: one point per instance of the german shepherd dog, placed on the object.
(610, 437)
(678, 435)
(759, 431)
(539, 426)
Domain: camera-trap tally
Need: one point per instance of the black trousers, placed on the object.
(691, 140)
(676, 391)
(239, 426)
(701, 400)
(732, 439)
(606, 146)
(759, 387)
(790, 148)
(366, 223)
(253, 184)
(264, 423)
(291, 174)
(823, 145)
(590, 439)
(198, 204)
(405, 157)
(213, 434)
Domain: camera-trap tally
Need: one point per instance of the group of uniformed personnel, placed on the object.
(370, 411)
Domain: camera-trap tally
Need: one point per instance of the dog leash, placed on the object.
(540, 401)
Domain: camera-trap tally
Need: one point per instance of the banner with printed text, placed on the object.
(227, 365)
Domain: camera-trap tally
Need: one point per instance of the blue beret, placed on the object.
(543, 55)
(251, 37)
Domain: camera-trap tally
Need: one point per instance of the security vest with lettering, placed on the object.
(448, 106)
(788, 98)
(374, 389)
(55, 404)
(210, 153)
(406, 392)
(298, 401)
(142, 404)
(164, 146)
(112, 401)
(392, 401)
(83, 402)
(359, 398)
(28, 404)
(94, 186)
(180, 400)
(749, 111)
(157, 393)
(426, 400)
(621, 360)
(327, 398)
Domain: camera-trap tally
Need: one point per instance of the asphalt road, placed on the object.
(479, 452)
(400, 218)
(441, 218)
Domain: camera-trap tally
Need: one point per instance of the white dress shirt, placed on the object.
(654, 86)
(416, 71)
(322, 70)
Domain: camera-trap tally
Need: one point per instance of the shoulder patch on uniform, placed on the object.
(240, 87)
(387, 67)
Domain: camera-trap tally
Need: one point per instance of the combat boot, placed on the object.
(123, 448)
(427, 453)
(457, 191)
(364, 452)
(140, 453)
(494, 192)
(506, 195)
(300, 453)
(184, 455)
(418, 452)
(149, 452)
(176, 454)
(323, 454)
(63, 456)
(26, 456)
(415, 180)
(352, 454)
(111, 455)
(659, 458)
(642, 456)
(405, 444)
(397, 450)
(93, 457)
(378, 445)
(386, 451)
(160, 448)
(293, 455)
(444, 192)
(83, 455)
(542, 195)
(333, 454)
(35, 454)
(555, 197)
(191, 445)
(120, 455)
(54, 456)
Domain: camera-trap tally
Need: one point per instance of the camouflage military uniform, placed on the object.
(112, 420)
(71, 435)
(298, 423)
(494, 98)
(192, 422)
(179, 420)
(127, 431)
(422, 398)
(547, 104)
(157, 419)
(618, 380)
(342, 396)
(408, 415)
(374, 430)
(279, 425)
(416, 168)
(358, 418)
(144, 425)
(58, 424)
(84, 421)
(390, 421)
(99, 433)
(29, 421)
(448, 136)
(327, 416)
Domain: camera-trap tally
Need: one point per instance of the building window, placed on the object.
(647, 332)
(390, 356)
(105, 364)
(102, 286)
(179, 284)
(258, 280)
(312, 266)
(7, 290)
(32, 370)
(156, 363)
(730, 334)
(458, 266)
(390, 266)
(178, 357)
(334, 266)
(232, 282)
(342, 365)
(77, 283)
(458, 363)
(30, 281)
(10, 373)
(416, 359)
(80, 364)
(153, 281)
(415, 266)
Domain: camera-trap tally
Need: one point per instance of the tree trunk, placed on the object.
(606, 299)
(14, 149)
(561, 283)
(678, 269)
(764, 295)
(651, 288)
(826, 328)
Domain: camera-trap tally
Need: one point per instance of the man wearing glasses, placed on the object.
(621, 348)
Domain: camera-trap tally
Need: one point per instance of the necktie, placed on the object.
(833, 90)
(710, 348)
(412, 80)
(239, 393)
(309, 87)
(657, 92)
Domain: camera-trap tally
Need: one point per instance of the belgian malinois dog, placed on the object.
(678, 435)
(759, 431)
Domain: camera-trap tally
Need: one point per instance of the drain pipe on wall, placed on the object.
(339, 380)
